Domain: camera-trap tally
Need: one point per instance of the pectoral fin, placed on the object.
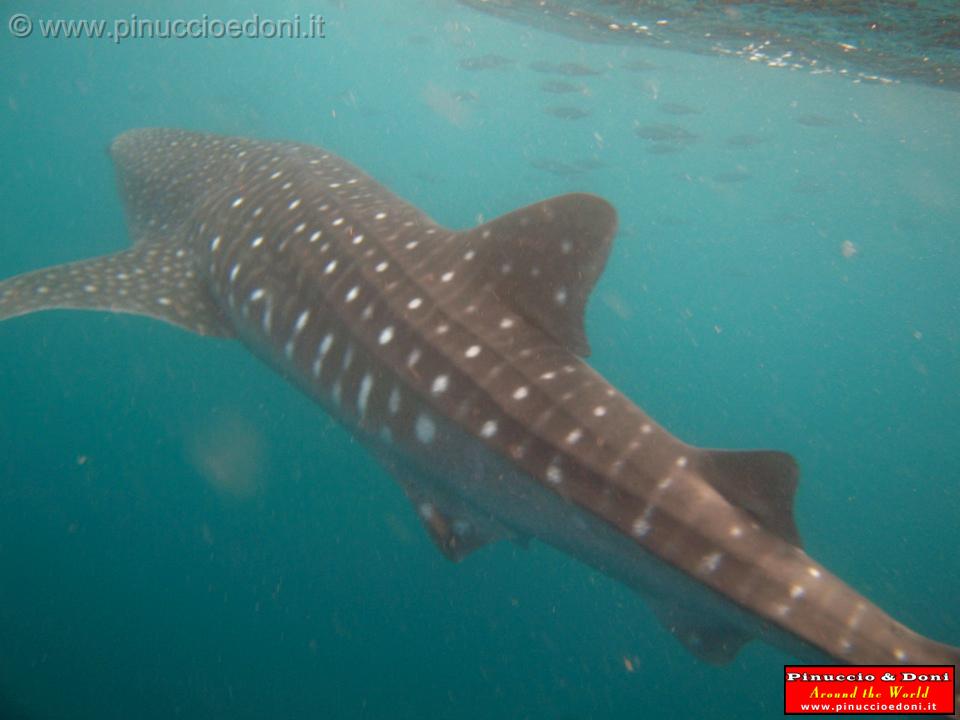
(711, 640)
(153, 279)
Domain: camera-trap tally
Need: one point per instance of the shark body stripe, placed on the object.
(457, 357)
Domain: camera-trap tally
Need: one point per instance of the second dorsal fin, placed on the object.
(762, 483)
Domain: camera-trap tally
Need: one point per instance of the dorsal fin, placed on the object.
(761, 482)
(544, 259)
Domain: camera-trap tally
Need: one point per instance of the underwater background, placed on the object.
(182, 534)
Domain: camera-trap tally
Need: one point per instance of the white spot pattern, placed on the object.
(363, 396)
(641, 526)
(426, 429)
(709, 563)
(554, 474)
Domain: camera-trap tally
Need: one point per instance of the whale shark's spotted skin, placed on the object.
(457, 357)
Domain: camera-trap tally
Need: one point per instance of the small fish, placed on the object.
(561, 168)
(589, 163)
(734, 176)
(428, 177)
(484, 62)
(638, 66)
(807, 186)
(672, 108)
(665, 148)
(814, 120)
(567, 112)
(663, 132)
(560, 87)
(569, 69)
(745, 140)
(785, 217)
(556, 167)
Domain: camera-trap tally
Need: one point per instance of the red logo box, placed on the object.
(869, 689)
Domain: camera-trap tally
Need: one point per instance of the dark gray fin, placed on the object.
(157, 280)
(709, 639)
(454, 529)
(454, 537)
(761, 482)
(567, 239)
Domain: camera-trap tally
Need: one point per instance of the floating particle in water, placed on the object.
(848, 249)
(917, 335)
(229, 453)
(618, 304)
(450, 106)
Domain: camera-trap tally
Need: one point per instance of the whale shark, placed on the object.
(458, 359)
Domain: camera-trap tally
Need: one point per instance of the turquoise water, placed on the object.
(184, 535)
